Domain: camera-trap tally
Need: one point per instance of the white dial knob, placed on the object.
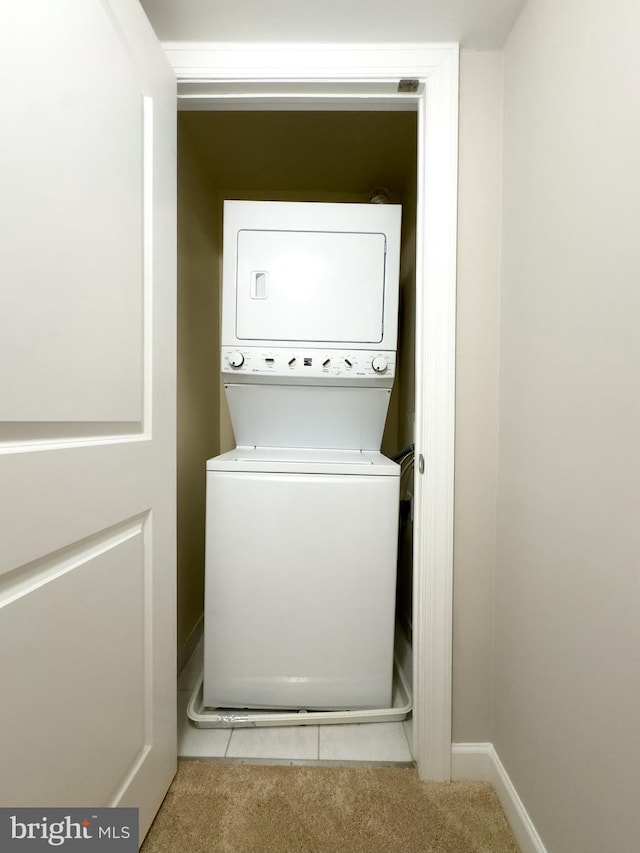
(236, 359)
(379, 364)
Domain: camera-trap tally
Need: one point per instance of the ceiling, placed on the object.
(475, 24)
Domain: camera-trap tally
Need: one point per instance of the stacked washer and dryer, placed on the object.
(302, 517)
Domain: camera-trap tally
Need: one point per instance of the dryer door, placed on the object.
(310, 286)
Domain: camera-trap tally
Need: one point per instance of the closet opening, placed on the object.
(279, 155)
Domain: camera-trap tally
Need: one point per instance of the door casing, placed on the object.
(214, 76)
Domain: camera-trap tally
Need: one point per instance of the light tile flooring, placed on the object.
(362, 742)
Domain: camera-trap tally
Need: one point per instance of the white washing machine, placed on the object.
(301, 574)
(301, 530)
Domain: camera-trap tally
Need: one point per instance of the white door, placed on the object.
(87, 407)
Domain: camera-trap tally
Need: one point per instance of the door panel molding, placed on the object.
(71, 622)
(43, 433)
(25, 579)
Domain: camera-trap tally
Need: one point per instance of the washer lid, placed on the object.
(300, 460)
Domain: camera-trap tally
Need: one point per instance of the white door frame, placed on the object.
(366, 76)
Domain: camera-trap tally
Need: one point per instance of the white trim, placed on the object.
(266, 72)
(434, 418)
(471, 762)
(303, 62)
(480, 761)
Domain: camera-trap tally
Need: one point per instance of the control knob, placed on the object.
(379, 364)
(236, 359)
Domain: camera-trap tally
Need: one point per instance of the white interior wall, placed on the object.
(567, 650)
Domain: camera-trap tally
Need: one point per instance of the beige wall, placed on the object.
(198, 374)
(567, 654)
(479, 208)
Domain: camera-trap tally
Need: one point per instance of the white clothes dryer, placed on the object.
(309, 321)
(300, 583)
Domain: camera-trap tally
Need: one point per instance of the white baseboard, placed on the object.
(185, 652)
(480, 762)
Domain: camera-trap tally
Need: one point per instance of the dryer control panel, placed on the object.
(308, 366)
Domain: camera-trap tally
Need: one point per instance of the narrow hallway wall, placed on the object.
(567, 694)
(478, 298)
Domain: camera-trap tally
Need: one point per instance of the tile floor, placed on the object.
(362, 742)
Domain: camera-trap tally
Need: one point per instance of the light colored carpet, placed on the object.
(241, 808)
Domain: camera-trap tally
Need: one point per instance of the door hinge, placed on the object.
(420, 463)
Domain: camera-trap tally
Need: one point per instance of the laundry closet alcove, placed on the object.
(360, 83)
